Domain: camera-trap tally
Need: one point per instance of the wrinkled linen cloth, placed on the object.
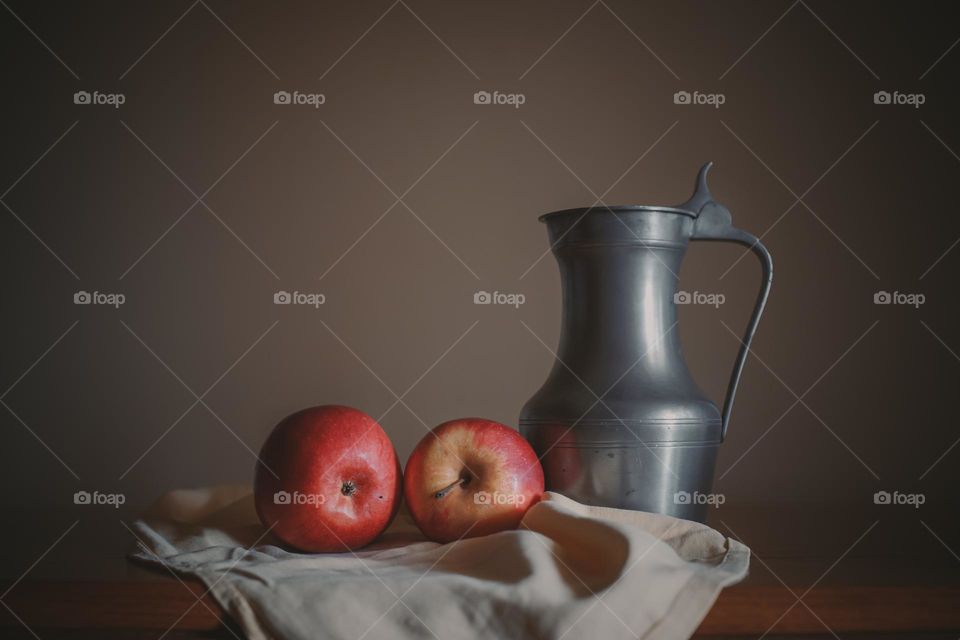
(570, 571)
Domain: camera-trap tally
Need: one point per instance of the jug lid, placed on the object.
(692, 207)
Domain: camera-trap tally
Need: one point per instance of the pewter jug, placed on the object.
(620, 421)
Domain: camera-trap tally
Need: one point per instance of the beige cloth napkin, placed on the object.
(570, 571)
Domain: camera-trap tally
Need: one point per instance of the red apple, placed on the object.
(471, 477)
(328, 479)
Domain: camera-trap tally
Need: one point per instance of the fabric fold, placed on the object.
(569, 571)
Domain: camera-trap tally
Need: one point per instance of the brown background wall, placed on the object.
(799, 119)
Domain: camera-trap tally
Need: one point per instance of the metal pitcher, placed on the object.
(619, 421)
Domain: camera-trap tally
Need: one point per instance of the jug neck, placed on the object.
(618, 302)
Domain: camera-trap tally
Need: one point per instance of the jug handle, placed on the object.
(714, 225)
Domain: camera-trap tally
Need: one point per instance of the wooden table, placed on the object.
(815, 573)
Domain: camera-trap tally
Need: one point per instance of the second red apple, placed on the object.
(471, 477)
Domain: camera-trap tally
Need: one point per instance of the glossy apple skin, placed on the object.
(489, 457)
(340, 454)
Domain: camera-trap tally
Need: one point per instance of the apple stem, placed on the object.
(447, 489)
